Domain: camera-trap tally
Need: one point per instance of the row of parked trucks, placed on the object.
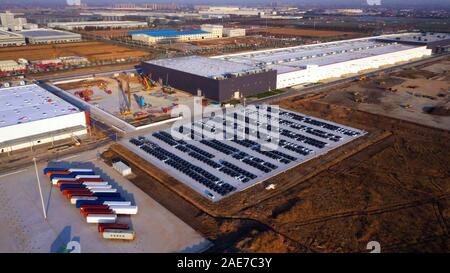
(98, 202)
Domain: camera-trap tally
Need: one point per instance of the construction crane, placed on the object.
(126, 108)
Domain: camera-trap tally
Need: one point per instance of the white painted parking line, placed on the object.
(12, 173)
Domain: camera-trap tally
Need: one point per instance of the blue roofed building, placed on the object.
(169, 35)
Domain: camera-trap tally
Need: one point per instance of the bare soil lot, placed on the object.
(420, 94)
(94, 51)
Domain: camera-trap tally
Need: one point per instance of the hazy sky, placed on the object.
(404, 3)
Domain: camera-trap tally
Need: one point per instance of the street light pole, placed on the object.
(39, 186)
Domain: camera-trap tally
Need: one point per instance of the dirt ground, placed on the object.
(92, 50)
(420, 94)
(295, 32)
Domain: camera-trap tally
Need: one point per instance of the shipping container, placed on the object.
(74, 199)
(103, 190)
(71, 194)
(70, 175)
(88, 212)
(124, 209)
(71, 186)
(99, 201)
(90, 179)
(64, 182)
(49, 174)
(78, 176)
(102, 227)
(107, 194)
(118, 234)
(117, 203)
(55, 181)
(88, 206)
(90, 202)
(65, 192)
(46, 170)
(95, 183)
(89, 187)
(80, 170)
(101, 218)
(92, 187)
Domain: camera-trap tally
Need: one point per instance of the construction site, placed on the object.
(131, 97)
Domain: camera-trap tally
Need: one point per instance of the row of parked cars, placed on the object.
(198, 174)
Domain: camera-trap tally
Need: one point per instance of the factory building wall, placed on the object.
(53, 40)
(181, 38)
(36, 142)
(248, 85)
(42, 126)
(316, 74)
(12, 42)
(218, 90)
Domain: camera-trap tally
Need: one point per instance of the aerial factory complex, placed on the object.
(186, 127)
(293, 65)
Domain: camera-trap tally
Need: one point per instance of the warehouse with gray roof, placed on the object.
(49, 36)
(225, 77)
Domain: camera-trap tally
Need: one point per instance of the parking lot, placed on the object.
(218, 165)
(24, 229)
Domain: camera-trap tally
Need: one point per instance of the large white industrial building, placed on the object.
(8, 38)
(97, 25)
(312, 63)
(31, 115)
(50, 36)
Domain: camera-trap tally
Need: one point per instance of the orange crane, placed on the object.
(125, 86)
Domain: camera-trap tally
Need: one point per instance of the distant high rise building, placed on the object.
(374, 2)
(8, 21)
(73, 2)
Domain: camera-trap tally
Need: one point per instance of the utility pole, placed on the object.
(39, 187)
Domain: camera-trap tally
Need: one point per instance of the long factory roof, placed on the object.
(43, 32)
(299, 57)
(22, 104)
(204, 66)
(168, 32)
(283, 60)
(424, 37)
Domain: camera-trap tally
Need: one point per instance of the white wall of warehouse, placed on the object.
(315, 74)
(42, 126)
